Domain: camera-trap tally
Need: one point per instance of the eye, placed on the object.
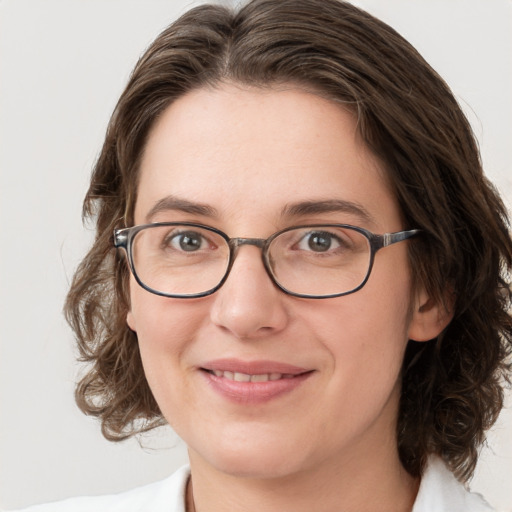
(319, 241)
(188, 241)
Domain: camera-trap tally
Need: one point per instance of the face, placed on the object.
(334, 364)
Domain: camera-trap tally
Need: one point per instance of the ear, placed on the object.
(130, 320)
(429, 318)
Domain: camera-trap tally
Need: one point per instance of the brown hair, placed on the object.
(453, 385)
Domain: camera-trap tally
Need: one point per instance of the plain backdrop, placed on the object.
(62, 66)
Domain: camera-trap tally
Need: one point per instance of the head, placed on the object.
(411, 126)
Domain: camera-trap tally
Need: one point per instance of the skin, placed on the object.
(248, 153)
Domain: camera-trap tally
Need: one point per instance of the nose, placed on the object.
(249, 305)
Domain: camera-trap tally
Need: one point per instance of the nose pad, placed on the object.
(248, 304)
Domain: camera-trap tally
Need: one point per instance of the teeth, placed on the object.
(260, 378)
(241, 377)
(245, 377)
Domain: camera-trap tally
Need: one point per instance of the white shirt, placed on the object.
(439, 492)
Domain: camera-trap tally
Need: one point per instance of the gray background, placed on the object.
(62, 66)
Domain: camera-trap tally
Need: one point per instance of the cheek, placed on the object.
(165, 331)
(366, 334)
(160, 320)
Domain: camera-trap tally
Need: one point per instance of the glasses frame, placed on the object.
(123, 239)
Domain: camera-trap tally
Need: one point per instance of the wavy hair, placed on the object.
(452, 387)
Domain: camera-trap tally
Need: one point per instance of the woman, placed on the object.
(307, 272)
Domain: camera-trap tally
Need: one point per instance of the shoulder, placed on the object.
(162, 496)
(440, 491)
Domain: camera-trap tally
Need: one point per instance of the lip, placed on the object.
(253, 367)
(253, 392)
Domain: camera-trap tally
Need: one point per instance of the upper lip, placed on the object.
(253, 367)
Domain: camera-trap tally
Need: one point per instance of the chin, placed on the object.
(253, 459)
(264, 468)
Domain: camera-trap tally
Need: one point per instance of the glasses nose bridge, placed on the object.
(237, 242)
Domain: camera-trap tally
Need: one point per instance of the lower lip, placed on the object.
(254, 392)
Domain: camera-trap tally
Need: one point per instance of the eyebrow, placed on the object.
(305, 208)
(173, 203)
(299, 209)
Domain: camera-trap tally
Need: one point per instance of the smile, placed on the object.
(254, 382)
(245, 377)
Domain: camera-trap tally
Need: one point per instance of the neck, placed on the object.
(373, 481)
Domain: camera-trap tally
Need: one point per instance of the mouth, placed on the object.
(246, 377)
(253, 382)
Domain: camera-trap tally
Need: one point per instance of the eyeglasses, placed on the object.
(187, 260)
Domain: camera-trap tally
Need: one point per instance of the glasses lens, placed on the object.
(320, 260)
(179, 259)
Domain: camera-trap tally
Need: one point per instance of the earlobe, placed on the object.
(130, 320)
(429, 318)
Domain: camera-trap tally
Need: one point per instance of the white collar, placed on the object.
(440, 491)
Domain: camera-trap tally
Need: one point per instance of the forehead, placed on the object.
(257, 151)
